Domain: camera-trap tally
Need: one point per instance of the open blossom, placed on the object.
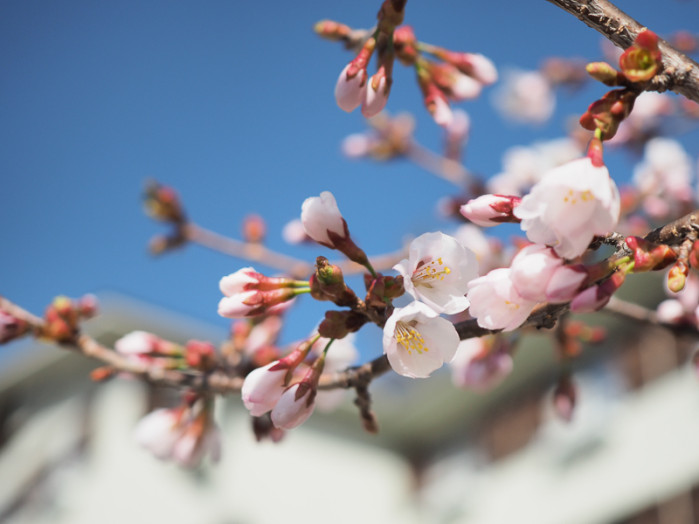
(524, 166)
(322, 219)
(488, 250)
(480, 363)
(437, 272)
(526, 97)
(569, 206)
(417, 341)
(495, 303)
(664, 177)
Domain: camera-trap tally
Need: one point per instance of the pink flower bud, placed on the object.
(532, 269)
(596, 297)
(375, 94)
(322, 219)
(263, 387)
(137, 343)
(350, 90)
(294, 407)
(565, 283)
(491, 210)
(441, 112)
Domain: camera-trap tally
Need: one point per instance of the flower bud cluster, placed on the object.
(249, 293)
(456, 76)
(639, 64)
(272, 388)
(62, 317)
(185, 434)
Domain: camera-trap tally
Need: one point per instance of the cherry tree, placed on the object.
(460, 300)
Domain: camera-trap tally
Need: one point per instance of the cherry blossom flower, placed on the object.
(664, 177)
(159, 430)
(196, 443)
(137, 343)
(490, 210)
(294, 232)
(480, 363)
(263, 387)
(525, 97)
(248, 293)
(524, 166)
(569, 206)
(538, 274)
(437, 272)
(375, 98)
(495, 303)
(294, 407)
(322, 219)
(417, 341)
(349, 92)
(488, 250)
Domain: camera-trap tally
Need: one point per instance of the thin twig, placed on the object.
(443, 167)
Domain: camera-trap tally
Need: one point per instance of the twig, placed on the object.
(681, 73)
(295, 267)
(443, 167)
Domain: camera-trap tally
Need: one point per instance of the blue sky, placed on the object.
(232, 104)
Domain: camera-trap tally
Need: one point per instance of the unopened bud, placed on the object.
(200, 355)
(648, 256)
(694, 255)
(331, 30)
(162, 203)
(491, 210)
(603, 72)
(608, 112)
(677, 277)
(254, 229)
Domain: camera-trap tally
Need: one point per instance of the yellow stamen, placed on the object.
(427, 272)
(409, 337)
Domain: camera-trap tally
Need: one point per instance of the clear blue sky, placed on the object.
(231, 103)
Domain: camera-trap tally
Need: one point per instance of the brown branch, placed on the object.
(681, 73)
(295, 267)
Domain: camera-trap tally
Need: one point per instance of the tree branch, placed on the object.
(681, 73)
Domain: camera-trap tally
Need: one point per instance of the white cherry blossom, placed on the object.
(417, 341)
(437, 272)
(569, 206)
(495, 303)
